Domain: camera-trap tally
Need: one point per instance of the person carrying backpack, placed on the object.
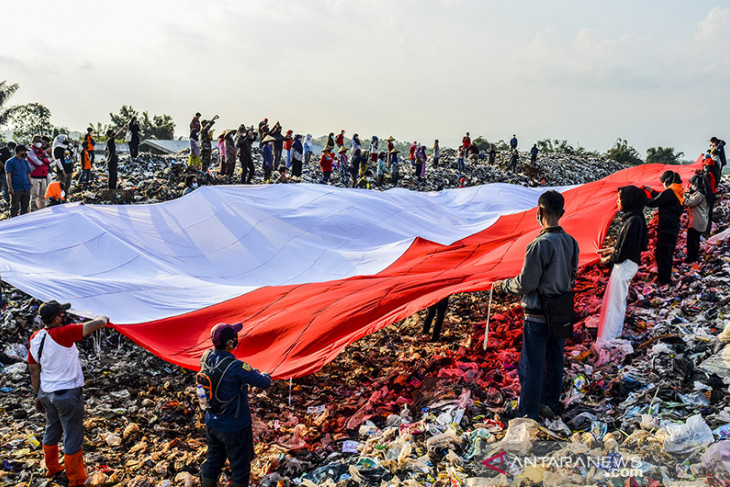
(225, 381)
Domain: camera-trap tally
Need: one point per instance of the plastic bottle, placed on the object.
(202, 397)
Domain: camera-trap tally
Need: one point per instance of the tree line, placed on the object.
(35, 118)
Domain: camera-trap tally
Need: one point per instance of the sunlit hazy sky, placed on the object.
(653, 72)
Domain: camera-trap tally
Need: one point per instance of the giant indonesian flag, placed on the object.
(308, 269)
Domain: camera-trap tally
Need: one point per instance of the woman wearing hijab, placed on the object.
(194, 159)
(308, 149)
(230, 147)
(330, 144)
(696, 199)
(626, 259)
(669, 204)
(59, 148)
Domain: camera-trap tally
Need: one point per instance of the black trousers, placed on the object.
(296, 167)
(438, 311)
(113, 173)
(237, 447)
(247, 170)
(664, 254)
(693, 244)
(134, 148)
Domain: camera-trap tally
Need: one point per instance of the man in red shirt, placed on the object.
(466, 142)
(57, 379)
(340, 139)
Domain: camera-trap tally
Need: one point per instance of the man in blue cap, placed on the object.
(228, 416)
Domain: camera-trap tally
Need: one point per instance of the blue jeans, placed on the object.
(540, 370)
(236, 446)
(460, 164)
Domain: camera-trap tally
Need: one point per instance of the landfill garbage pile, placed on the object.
(397, 409)
(153, 178)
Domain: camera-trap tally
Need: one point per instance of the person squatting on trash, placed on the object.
(696, 199)
(669, 204)
(56, 193)
(548, 271)
(228, 421)
(625, 256)
(57, 380)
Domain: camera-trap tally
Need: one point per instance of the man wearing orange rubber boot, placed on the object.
(57, 379)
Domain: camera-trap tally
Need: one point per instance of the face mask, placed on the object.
(369, 179)
(37, 145)
(63, 194)
(194, 185)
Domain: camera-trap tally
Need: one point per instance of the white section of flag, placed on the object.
(145, 262)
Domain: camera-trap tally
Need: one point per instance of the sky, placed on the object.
(653, 72)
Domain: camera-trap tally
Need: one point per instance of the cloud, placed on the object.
(713, 24)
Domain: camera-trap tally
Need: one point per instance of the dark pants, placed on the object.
(540, 370)
(113, 174)
(709, 221)
(92, 156)
(267, 172)
(664, 254)
(4, 185)
(85, 176)
(64, 417)
(438, 311)
(247, 171)
(237, 447)
(419, 167)
(205, 158)
(296, 167)
(533, 158)
(134, 148)
(20, 201)
(277, 156)
(326, 176)
(693, 244)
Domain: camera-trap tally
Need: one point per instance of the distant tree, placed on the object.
(160, 127)
(126, 113)
(6, 92)
(624, 153)
(557, 146)
(663, 155)
(29, 120)
(156, 127)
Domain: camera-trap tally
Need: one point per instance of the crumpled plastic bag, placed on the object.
(687, 437)
(716, 460)
(17, 351)
(521, 433)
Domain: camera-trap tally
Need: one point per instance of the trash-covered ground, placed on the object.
(153, 178)
(396, 409)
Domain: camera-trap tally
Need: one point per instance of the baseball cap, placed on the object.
(49, 310)
(222, 332)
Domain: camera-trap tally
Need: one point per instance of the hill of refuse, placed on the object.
(397, 409)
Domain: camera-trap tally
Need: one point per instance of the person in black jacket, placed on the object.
(625, 256)
(669, 203)
(245, 138)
